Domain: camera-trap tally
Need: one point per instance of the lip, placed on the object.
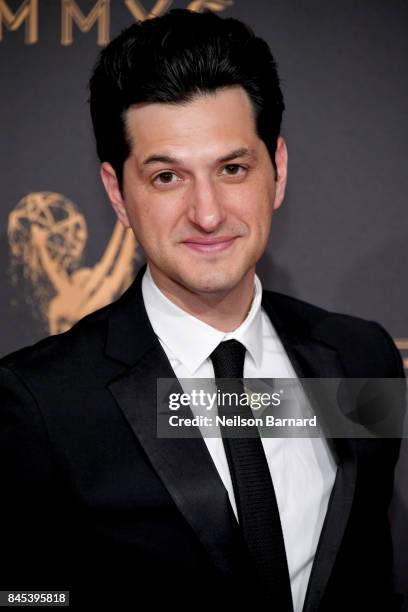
(210, 245)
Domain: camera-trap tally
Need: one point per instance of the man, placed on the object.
(187, 110)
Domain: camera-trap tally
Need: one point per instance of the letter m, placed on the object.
(71, 12)
(27, 12)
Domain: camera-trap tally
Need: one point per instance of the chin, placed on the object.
(213, 282)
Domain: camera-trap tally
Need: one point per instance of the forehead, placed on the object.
(209, 122)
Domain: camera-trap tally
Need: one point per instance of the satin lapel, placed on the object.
(184, 465)
(312, 358)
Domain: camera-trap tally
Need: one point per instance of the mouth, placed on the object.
(210, 245)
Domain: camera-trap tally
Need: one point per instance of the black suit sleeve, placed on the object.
(398, 602)
(29, 530)
(395, 355)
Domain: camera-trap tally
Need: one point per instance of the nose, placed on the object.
(205, 208)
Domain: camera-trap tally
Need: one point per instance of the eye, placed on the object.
(235, 170)
(165, 178)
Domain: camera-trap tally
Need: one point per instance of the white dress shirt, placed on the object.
(302, 469)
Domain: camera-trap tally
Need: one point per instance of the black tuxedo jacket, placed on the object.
(95, 503)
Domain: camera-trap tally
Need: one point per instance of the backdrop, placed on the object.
(338, 241)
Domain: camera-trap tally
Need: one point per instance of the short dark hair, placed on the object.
(172, 59)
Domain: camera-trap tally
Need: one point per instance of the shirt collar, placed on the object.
(192, 341)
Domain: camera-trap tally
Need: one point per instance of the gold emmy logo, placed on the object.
(47, 236)
(28, 13)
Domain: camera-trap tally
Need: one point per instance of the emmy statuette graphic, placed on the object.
(47, 236)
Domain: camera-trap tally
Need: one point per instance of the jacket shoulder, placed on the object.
(85, 338)
(358, 340)
(308, 317)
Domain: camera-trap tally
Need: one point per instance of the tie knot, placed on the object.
(228, 359)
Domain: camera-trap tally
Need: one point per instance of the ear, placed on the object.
(111, 184)
(281, 161)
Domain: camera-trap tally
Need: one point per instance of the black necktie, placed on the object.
(255, 498)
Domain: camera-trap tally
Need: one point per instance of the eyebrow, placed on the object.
(168, 159)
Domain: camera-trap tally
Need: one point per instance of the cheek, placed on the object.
(153, 218)
(253, 204)
(139, 215)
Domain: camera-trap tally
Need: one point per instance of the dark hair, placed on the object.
(173, 58)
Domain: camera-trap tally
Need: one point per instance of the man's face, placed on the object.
(199, 190)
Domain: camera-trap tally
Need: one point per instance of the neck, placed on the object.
(224, 310)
